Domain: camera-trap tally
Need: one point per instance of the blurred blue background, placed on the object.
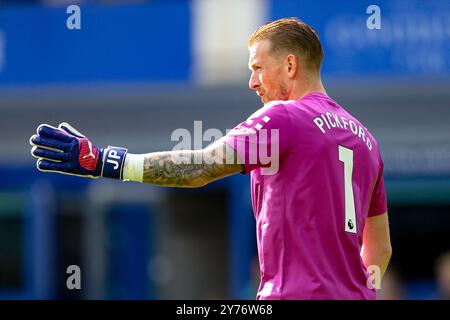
(138, 70)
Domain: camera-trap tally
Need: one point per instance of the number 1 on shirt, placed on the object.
(346, 156)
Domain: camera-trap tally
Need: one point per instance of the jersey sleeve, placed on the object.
(262, 139)
(378, 204)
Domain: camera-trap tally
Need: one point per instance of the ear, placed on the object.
(291, 65)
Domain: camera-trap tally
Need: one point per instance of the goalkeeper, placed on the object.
(317, 202)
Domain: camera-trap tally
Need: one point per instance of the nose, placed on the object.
(254, 82)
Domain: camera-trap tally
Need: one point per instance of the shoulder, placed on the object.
(272, 115)
(276, 108)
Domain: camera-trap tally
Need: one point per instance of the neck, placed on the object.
(303, 87)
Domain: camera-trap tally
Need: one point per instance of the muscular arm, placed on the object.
(191, 168)
(377, 242)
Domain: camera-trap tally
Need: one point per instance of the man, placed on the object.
(317, 202)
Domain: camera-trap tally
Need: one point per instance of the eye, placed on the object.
(255, 67)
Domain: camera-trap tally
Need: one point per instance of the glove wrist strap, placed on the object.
(113, 162)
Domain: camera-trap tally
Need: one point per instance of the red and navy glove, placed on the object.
(65, 150)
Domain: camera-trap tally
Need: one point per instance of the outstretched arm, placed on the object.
(65, 150)
(197, 167)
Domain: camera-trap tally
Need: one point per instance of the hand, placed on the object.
(65, 150)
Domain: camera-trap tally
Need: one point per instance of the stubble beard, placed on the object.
(281, 94)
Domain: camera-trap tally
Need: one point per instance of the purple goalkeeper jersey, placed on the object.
(316, 175)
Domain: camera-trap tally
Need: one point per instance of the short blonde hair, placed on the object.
(293, 36)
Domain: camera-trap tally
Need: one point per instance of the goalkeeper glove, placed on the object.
(67, 151)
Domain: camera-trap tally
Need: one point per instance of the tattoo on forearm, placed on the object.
(161, 169)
